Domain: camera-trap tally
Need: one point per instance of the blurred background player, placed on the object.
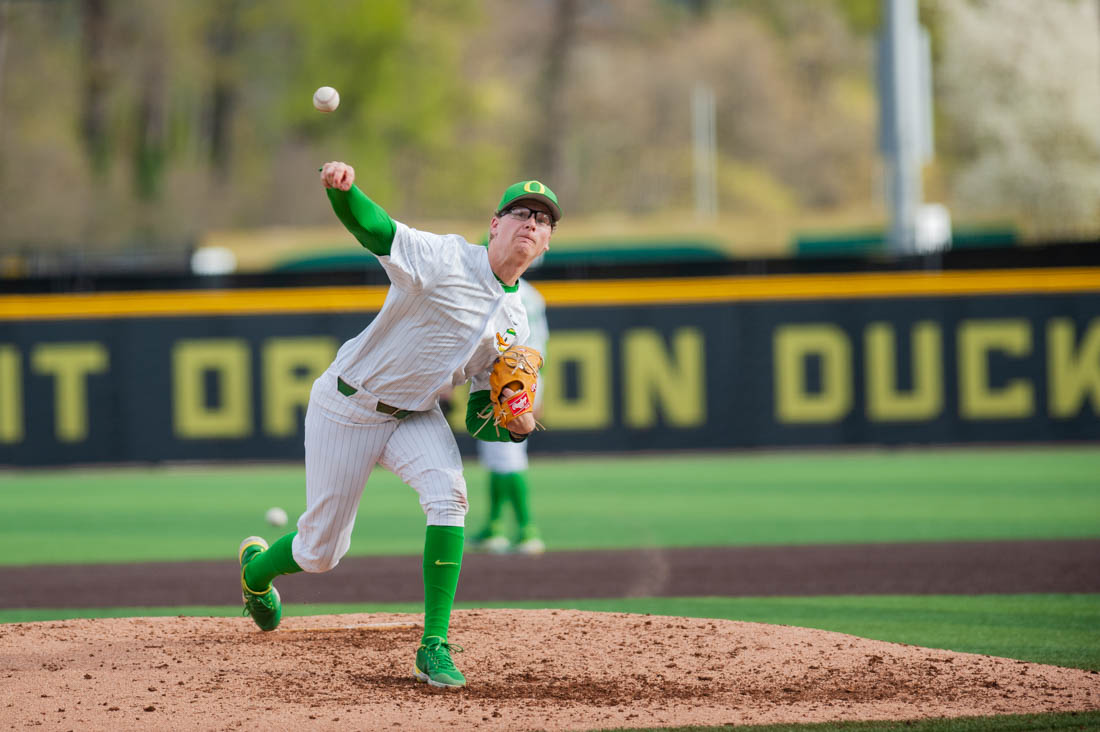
(507, 461)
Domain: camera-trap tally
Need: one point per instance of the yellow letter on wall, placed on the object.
(11, 396)
(1072, 376)
(649, 376)
(290, 365)
(925, 400)
(70, 364)
(229, 360)
(793, 344)
(460, 397)
(977, 399)
(590, 409)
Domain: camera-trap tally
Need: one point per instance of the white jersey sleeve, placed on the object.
(417, 258)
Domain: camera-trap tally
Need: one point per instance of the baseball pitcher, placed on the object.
(452, 314)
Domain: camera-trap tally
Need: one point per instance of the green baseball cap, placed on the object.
(534, 190)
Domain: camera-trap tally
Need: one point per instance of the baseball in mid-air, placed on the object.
(326, 99)
(276, 516)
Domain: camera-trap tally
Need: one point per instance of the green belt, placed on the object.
(347, 390)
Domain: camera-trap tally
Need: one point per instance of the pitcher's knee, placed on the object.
(446, 513)
(315, 558)
(442, 495)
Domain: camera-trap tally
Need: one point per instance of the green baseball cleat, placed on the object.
(434, 664)
(265, 607)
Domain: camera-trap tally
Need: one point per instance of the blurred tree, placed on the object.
(699, 7)
(794, 107)
(1020, 91)
(97, 77)
(543, 157)
(150, 137)
(396, 65)
(445, 100)
(863, 16)
(223, 39)
(3, 54)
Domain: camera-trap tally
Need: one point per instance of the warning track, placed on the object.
(1062, 566)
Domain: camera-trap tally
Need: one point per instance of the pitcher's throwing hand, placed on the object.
(337, 175)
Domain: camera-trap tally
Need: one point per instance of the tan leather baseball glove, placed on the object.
(517, 368)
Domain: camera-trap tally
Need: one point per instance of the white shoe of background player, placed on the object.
(534, 545)
(495, 544)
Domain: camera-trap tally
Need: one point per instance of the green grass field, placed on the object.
(192, 512)
(181, 512)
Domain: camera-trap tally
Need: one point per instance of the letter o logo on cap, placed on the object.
(533, 186)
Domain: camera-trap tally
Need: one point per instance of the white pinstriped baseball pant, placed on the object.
(503, 457)
(345, 438)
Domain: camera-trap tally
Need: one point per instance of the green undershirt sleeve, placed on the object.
(482, 427)
(364, 218)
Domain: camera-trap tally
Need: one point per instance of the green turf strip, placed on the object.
(180, 513)
(1052, 629)
(1006, 723)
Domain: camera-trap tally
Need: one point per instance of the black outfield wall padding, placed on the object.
(716, 363)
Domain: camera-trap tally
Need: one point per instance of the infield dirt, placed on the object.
(1069, 565)
(535, 669)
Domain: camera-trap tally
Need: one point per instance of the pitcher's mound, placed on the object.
(527, 669)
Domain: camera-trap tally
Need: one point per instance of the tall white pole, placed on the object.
(905, 116)
(705, 153)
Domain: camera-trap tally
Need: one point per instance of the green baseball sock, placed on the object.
(498, 496)
(517, 487)
(442, 563)
(267, 565)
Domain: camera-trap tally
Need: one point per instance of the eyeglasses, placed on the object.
(522, 213)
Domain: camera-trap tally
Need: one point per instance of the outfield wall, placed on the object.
(886, 358)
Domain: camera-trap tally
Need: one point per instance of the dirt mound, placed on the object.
(529, 669)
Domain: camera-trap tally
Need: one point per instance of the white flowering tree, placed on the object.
(1018, 86)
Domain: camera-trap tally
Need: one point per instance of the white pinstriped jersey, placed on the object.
(445, 319)
(535, 305)
(511, 457)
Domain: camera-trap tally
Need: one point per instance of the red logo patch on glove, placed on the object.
(519, 403)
